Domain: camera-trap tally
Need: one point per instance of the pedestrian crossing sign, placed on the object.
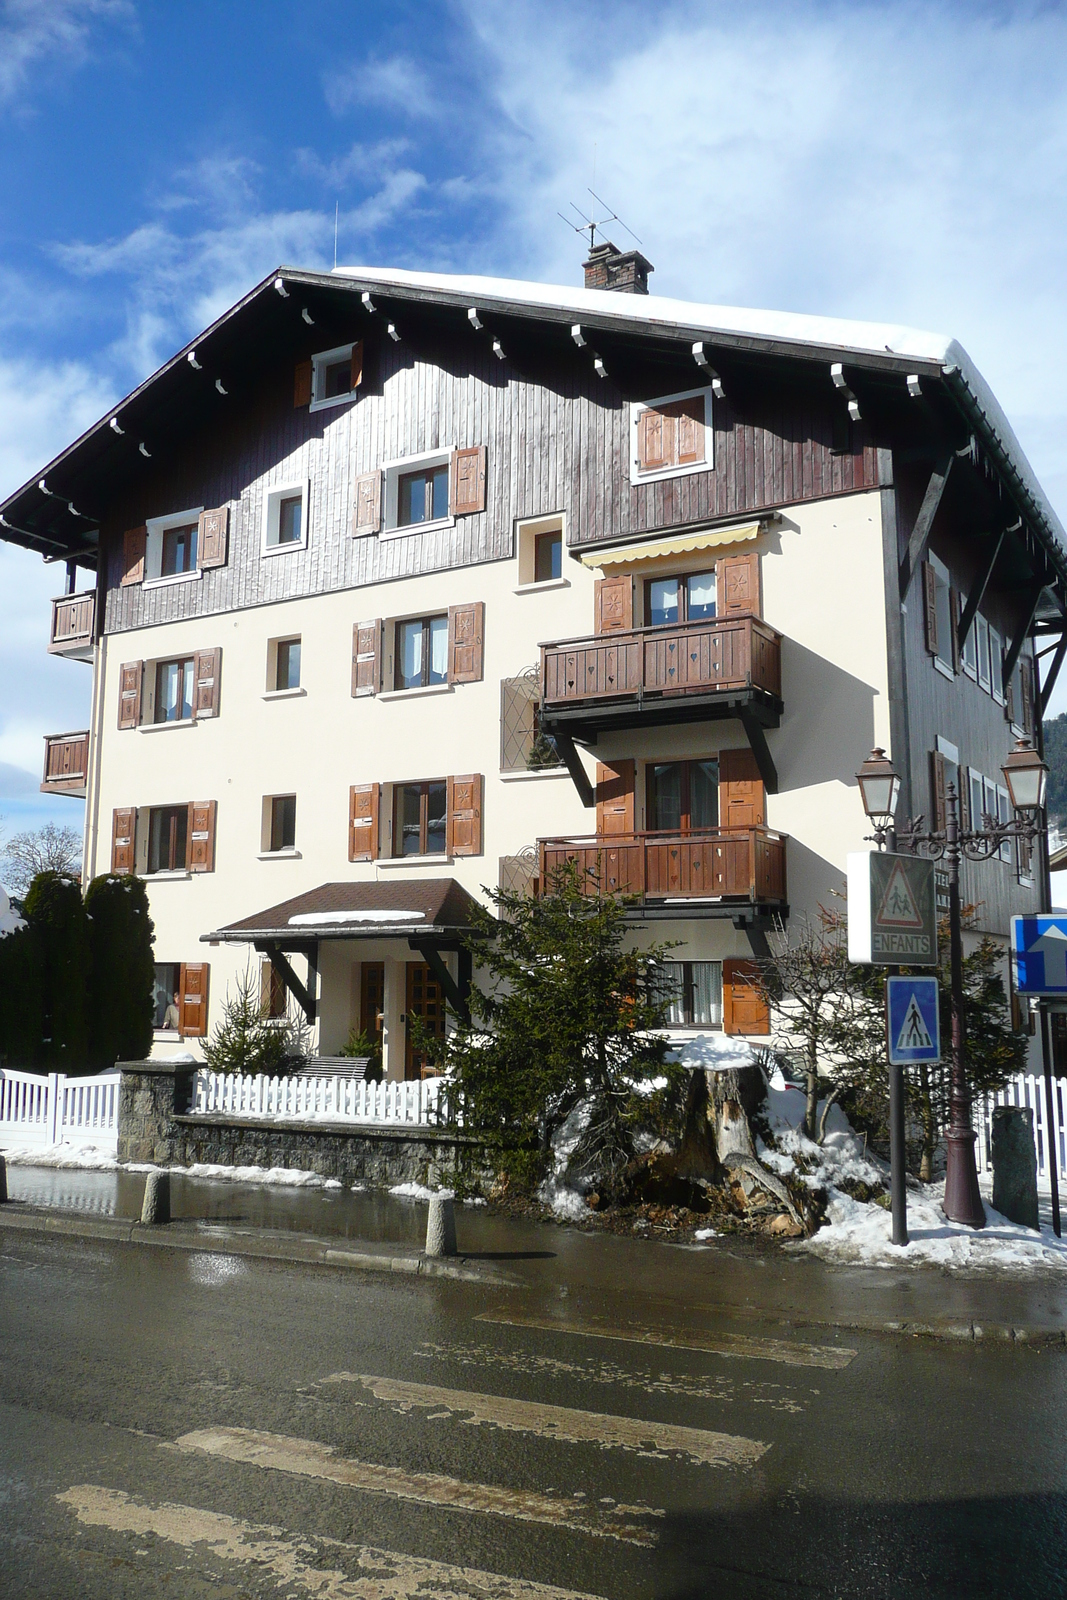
(913, 1021)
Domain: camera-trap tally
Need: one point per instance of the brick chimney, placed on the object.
(608, 267)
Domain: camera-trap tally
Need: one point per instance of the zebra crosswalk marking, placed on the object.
(738, 1345)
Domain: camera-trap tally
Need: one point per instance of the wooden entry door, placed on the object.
(372, 1000)
(426, 1000)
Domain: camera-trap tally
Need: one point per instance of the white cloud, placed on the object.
(35, 31)
(396, 83)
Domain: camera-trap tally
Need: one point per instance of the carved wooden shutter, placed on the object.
(134, 541)
(207, 671)
(742, 798)
(367, 504)
(363, 805)
(744, 1010)
(691, 445)
(954, 624)
(937, 788)
(302, 384)
(656, 434)
(930, 606)
(357, 364)
(123, 839)
(463, 817)
(1026, 695)
(367, 657)
(737, 585)
(466, 639)
(201, 836)
(467, 481)
(613, 601)
(615, 797)
(212, 537)
(192, 1000)
(131, 676)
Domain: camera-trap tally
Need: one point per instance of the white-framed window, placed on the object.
(981, 639)
(996, 666)
(540, 546)
(969, 652)
(285, 523)
(1004, 815)
(942, 599)
(283, 665)
(977, 796)
(416, 492)
(278, 826)
(671, 436)
(335, 375)
(694, 993)
(171, 554)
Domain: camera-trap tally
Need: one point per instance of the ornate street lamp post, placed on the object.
(1025, 775)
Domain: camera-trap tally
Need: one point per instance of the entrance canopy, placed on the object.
(431, 916)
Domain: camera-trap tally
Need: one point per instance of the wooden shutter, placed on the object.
(212, 537)
(615, 797)
(192, 1000)
(466, 640)
(744, 1010)
(302, 384)
(200, 846)
(272, 994)
(656, 435)
(134, 542)
(954, 623)
(930, 606)
(742, 798)
(367, 504)
(613, 601)
(467, 481)
(937, 788)
(691, 446)
(367, 657)
(357, 363)
(131, 676)
(123, 839)
(463, 817)
(737, 585)
(363, 804)
(1026, 695)
(207, 670)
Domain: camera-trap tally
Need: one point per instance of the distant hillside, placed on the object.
(1056, 756)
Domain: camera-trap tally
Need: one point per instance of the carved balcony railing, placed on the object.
(66, 763)
(73, 625)
(664, 674)
(715, 866)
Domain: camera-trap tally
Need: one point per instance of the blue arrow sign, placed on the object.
(1039, 948)
(913, 1020)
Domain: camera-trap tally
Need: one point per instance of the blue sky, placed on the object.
(898, 162)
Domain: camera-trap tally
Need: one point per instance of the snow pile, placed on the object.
(84, 1158)
(720, 1051)
(559, 1191)
(282, 1177)
(419, 1191)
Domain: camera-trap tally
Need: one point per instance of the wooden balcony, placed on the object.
(74, 625)
(712, 873)
(66, 763)
(724, 667)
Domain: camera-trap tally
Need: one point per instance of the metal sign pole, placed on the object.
(1052, 1143)
(897, 1165)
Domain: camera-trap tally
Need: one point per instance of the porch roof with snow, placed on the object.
(434, 910)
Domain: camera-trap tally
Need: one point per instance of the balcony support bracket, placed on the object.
(573, 762)
(760, 749)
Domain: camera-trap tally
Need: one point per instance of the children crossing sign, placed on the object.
(892, 910)
(913, 1020)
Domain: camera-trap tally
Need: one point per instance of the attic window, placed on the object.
(335, 375)
(671, 437)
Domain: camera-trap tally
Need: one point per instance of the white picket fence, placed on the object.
(413, 1104)
(1028, 1090)
(37, 1110)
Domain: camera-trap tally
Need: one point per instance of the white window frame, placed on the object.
(981, 639)
(996, 665)
(969, 652)
(319, 363)
(271, 517)
(272, 665)
(394, 471)
(942, 663)
(1004, 815)
(155, 527)
(707, 465)
(289, 851)
(527, 532)
(975, 780)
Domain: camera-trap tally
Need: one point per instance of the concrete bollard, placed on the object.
(3, 1180)
(441, 1226)
(156, 1207)
(1015, 1165)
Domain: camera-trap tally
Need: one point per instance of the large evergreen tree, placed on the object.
(121, 971)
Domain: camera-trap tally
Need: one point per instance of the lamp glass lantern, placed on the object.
(1026, 776)
(879, 786)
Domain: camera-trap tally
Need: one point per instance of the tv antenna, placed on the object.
(591, 224)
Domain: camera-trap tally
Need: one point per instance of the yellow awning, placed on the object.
(655, 549)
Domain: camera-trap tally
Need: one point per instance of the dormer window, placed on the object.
(335, 375)
(671, 436)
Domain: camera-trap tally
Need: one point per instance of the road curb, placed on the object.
(261, 1244)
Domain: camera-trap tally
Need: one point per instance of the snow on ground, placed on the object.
(419, 1191)
(68, 1157)
(63, 1156)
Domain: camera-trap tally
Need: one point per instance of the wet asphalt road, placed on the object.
(420, 1427)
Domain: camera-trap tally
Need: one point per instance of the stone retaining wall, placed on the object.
(155, 1124)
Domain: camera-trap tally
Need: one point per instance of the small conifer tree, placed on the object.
(245, 1040)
